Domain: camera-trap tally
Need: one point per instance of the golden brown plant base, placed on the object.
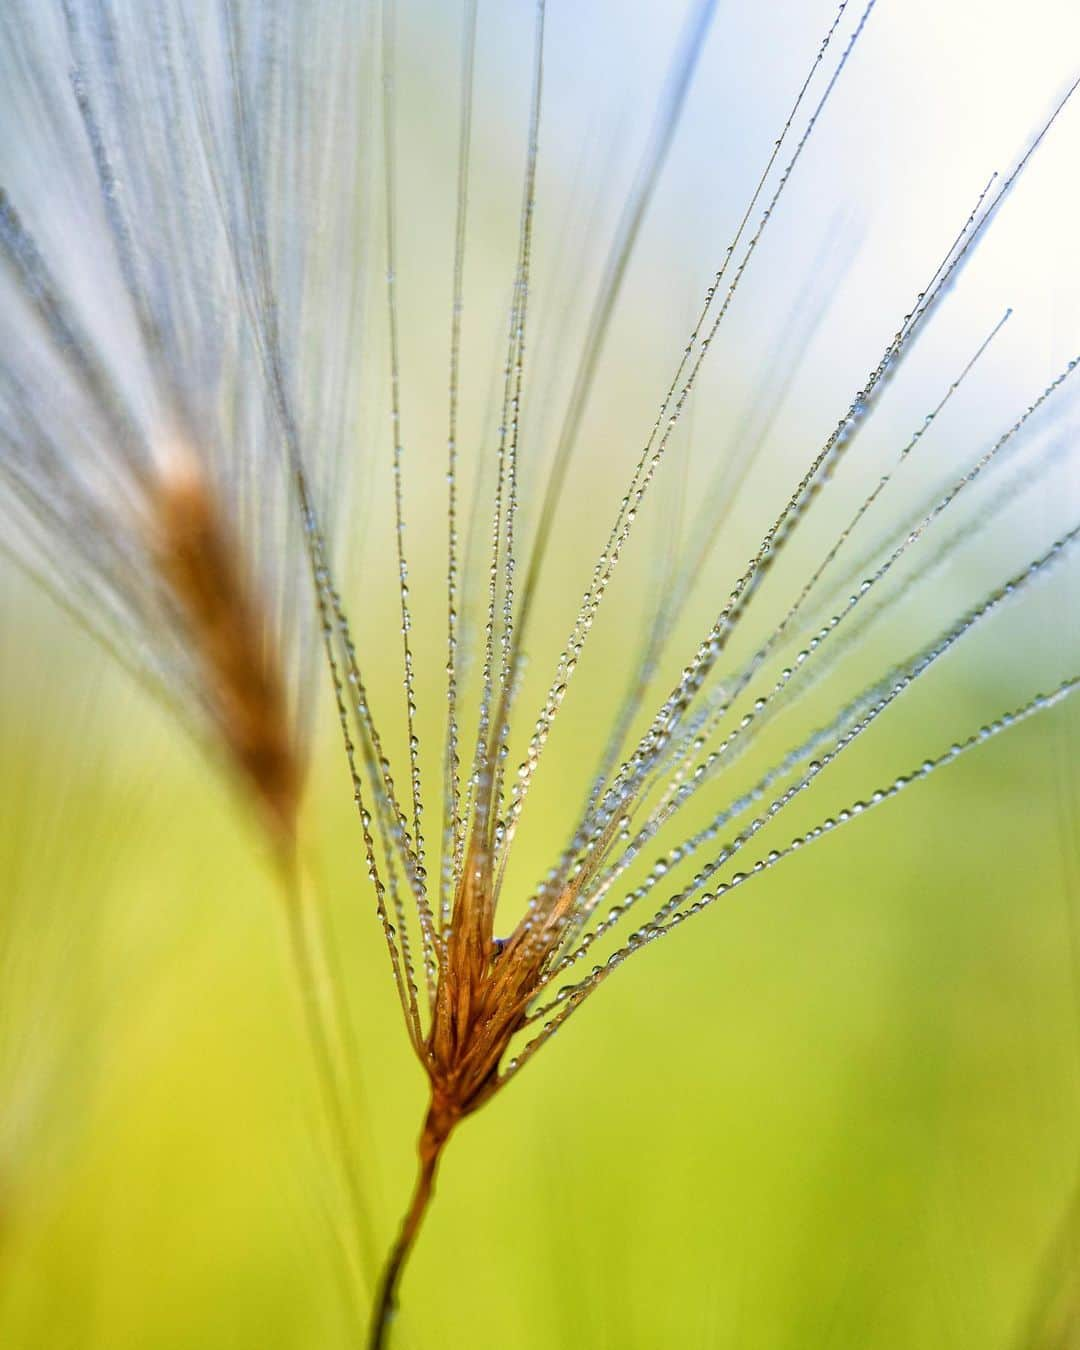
(483, 990)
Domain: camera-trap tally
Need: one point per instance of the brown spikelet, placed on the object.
(205, 576)
(484, 990)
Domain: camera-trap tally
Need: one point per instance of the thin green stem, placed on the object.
(432, 1142)
(319, 1037)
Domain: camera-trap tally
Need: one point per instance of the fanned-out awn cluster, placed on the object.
(175, 326)
(194, 299)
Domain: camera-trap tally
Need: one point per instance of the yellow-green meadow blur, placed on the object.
(842, 1111)
(838, 1111)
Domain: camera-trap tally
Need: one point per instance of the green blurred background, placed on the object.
(841, 1110)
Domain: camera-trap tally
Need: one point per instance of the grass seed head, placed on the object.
(259, 315)
(231, 640)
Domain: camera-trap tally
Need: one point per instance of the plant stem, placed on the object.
(432, 1141)
(326, 1072)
